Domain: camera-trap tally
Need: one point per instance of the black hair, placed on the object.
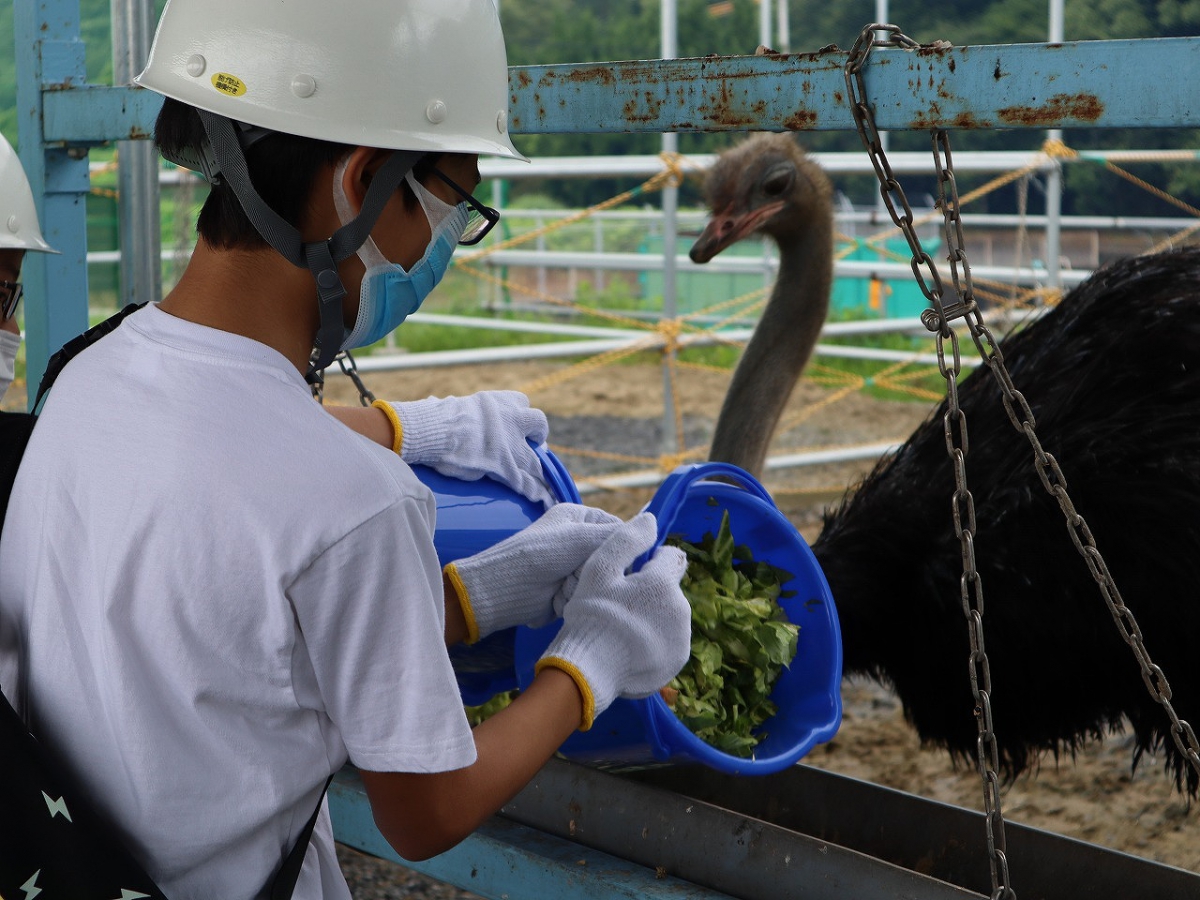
(282, 169)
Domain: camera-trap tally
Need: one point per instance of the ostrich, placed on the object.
(1113, 377)
(767, 185)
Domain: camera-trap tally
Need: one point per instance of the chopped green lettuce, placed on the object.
(741, 642)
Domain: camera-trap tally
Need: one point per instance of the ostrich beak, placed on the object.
(726, 228)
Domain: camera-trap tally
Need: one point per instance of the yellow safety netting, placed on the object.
(663, 337)
(903, 378)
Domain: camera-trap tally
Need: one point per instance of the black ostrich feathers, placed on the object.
(1113, 378)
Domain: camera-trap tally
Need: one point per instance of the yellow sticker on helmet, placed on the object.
(229, 84)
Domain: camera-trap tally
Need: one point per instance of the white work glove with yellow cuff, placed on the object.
(487, 433)
(527, 578)
(624, 635)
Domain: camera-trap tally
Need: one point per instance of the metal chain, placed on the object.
(954, 424)
(937, 319)
(350, 369)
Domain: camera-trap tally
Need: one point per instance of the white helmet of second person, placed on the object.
(18, 216)
(395, 74)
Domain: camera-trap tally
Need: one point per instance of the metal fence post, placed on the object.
(49, 53)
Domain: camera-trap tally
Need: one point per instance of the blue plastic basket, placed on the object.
(472, 516)
(637, 733)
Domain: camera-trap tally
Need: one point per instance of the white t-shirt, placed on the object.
(10, 342)
(211, 595)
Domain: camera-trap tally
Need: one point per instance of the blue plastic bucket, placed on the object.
(637, 733)
(472, 516)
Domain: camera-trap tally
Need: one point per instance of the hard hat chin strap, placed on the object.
(319, 257)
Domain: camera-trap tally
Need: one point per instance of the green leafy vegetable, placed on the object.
(741, 641)
(476, 714)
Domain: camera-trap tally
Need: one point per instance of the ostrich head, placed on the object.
(767, 185)
(764, 185)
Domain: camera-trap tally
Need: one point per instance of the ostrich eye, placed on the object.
(778, 180)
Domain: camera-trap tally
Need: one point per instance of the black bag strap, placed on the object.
(285, 879)
(77, 344)
(15, 429)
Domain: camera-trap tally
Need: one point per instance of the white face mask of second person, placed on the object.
(390, 294)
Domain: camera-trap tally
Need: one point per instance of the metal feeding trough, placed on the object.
(801, 834)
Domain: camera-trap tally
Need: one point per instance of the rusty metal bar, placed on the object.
(1102, 84)
(1107, 84)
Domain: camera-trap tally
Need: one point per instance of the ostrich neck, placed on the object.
(781, 345)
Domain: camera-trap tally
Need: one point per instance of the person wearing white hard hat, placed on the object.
(19, 232)
(250, 595)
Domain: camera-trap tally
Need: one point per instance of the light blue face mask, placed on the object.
(390, 294)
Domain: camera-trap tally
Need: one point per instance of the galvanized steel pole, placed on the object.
(670, 209)
(137, 204)
(1054, 184)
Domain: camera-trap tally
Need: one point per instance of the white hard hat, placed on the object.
(426, 75)
(18, 216)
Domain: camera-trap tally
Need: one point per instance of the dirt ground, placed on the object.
(1095, 797)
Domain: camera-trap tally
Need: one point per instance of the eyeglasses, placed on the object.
(481, 219)
(10, 296)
